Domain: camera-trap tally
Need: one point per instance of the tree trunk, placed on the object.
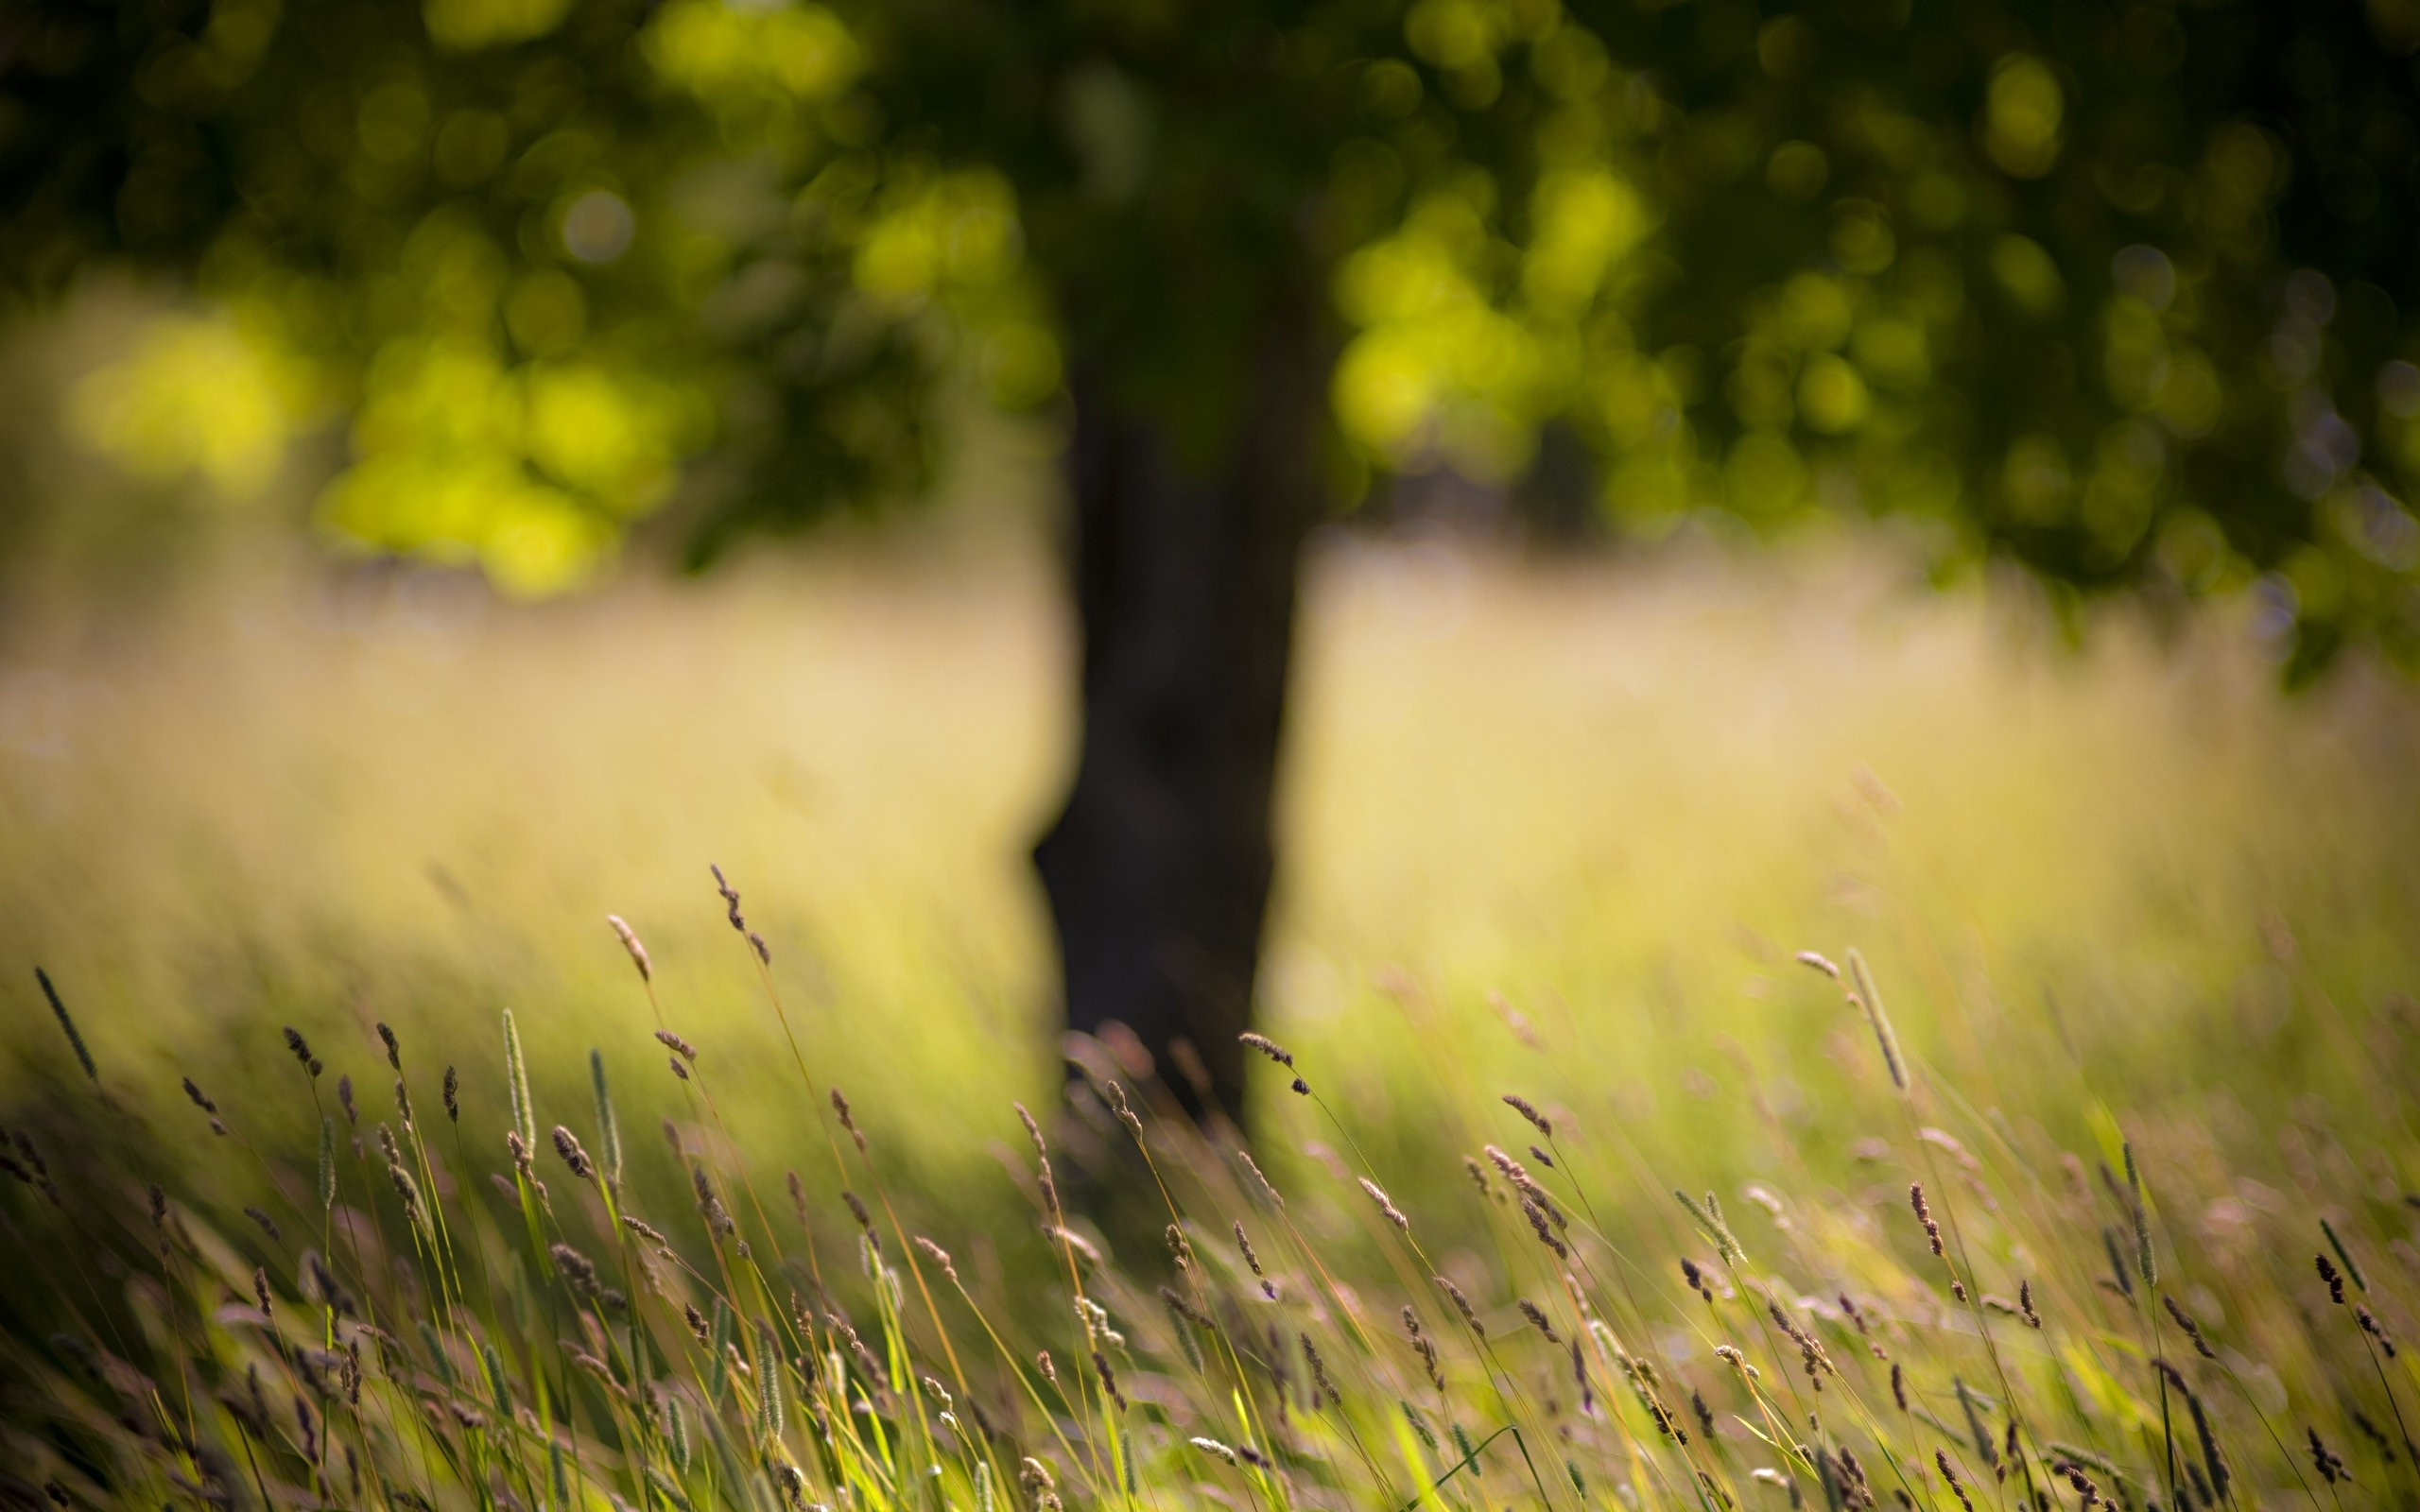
(1158, 870)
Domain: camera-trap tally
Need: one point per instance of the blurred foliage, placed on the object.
(2125, 290)
(196, 397)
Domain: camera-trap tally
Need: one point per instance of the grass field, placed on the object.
(1555, 833)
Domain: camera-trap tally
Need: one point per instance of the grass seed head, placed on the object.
(2330, 1465)
(2214, 1465)
(2185, 1320)
(1124, 1109)
(1537, 1119)
(629, 939)
(1462, 1305)
(939, 1257)
(1923, 1215)
(1696, 1278)
(1267, 1188)
(301, 1048)
(1985, 1449)
(1869, 997)
(1537, 1319)
(1252, 1258)
(327, 1163)
(567, 1145)
(2370, 1326)
(1320, 1384)
(1536, 1212)
(1710, 1219)
(67, 1026)
(1050, 1187)
(1941, 1457)
(1269, 1047)
(609, 1128)
(1385, 1204)
(576, 1270)
(1423, 1346)
(730, 898)
(2123, 1274)
(644, 1229)
(2352, 1267)
(2335, 1280)
(2146, 1258)
(516, 1077)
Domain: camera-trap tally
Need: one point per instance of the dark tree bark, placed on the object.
(1158, 870)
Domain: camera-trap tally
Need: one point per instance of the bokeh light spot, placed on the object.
(2024, 117)
(597, 227)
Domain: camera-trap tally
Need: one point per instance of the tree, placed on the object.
(2122, 291)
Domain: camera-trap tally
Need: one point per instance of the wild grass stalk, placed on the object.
(625, 1326)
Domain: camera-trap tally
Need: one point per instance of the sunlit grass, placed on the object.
(1618, 799)
(1552, 833)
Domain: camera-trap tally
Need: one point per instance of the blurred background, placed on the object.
(1485, 523)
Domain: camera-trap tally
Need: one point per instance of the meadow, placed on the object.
(1775, 1035)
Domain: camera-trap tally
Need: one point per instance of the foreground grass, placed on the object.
(447, 1302)
(1552, 835)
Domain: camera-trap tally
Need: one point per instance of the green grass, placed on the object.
(1550, 834)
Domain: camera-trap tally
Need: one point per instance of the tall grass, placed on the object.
(1614, 800)
(463, 1295)
(1552, 837)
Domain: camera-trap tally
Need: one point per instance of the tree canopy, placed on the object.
(2124, 290)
